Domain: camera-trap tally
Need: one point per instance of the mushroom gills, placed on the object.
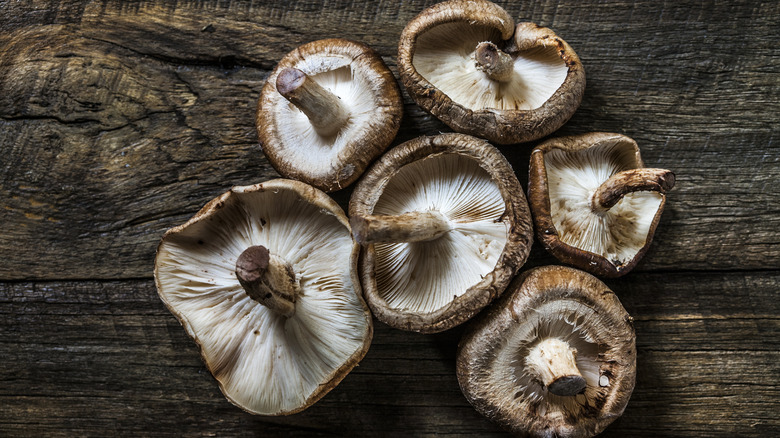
(326, 111)
(448, 56)
(264, 362)
(617, 233)
(556, 356)
(541, 351)
(296, 128)
(425, 275)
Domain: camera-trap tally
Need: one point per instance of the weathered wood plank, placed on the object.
(119, 121)
(106, 358)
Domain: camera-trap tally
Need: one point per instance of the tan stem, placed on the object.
(268, 279)
(622, 183)
(415, 226)
(326, 112)
(554, 363)
(496, 64)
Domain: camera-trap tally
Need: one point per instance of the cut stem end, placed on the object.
(326, 112)
(496, 64)
(568, 385)
(268, 279)
(554, 363)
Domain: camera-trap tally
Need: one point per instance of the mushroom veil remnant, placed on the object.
(444, 226)
(555, 356)
(594, 203)
(327, 110)
(264, 279)
(467, 63)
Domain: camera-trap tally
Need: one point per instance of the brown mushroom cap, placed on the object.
(465, 194)
(496, 363)
(270, 355)
(594, 203)
(355, 77)
(438, 59)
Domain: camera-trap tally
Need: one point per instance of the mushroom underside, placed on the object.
(264, 362)
(313, 153)
(617, 234)
(444, 56)
(556, 356)
(426, 276)
(504, 384)
(562, 320)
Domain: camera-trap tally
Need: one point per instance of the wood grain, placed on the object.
(119, 120)
(95, 357)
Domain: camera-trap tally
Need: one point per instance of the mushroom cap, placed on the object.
(437, 67)
(265, 363)
(435, 285)
(550, 301)
(563, 175)
(357, 75)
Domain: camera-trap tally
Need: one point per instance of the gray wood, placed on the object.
(120, 120)
(94, 357)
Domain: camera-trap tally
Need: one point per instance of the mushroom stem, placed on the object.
(496, 64)
(415, 226)
(611, 191)
(554, 363)
(267, 279)
(324, 109)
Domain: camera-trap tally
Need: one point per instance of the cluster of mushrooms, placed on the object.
(277, 285)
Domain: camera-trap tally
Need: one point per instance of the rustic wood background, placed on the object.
(120, 120)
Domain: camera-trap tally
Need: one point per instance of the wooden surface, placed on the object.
(120, 120)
